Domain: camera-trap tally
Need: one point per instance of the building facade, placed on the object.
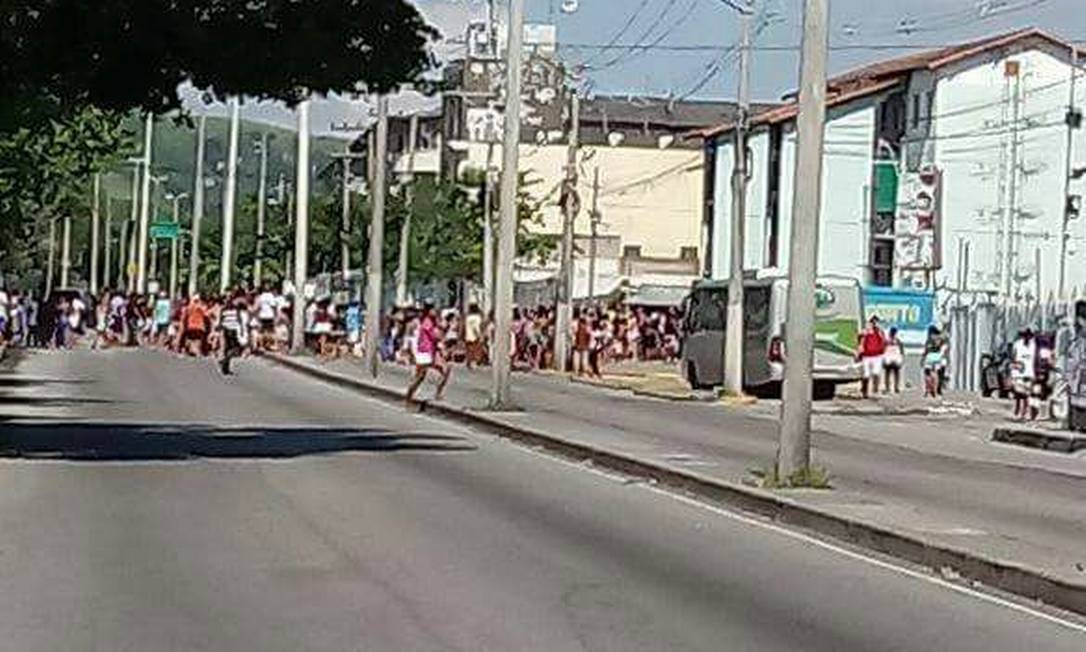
(942, 170)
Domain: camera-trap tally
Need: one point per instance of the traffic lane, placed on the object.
(499, 548)
(981, 495)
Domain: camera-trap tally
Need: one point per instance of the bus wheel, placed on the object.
(824, 391)
(692, 376)
(1076, 419)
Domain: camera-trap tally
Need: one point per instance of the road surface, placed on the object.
(146, 503)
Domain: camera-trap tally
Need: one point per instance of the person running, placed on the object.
(233, 325)
(427, 356)
(872, 349)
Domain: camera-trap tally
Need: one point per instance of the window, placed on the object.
(916, 110)
(931, 106)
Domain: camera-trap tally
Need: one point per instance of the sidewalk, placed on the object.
(932, 479)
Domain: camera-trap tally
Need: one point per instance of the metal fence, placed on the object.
(979, 323)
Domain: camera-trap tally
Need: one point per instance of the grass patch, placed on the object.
(812, 477)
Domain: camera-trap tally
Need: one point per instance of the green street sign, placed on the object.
(165, 230)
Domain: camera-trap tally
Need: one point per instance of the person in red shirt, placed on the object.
(427, 355)
(872, 349)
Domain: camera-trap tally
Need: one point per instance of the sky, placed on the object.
(689, 56)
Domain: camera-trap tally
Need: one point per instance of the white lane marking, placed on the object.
(825, 545)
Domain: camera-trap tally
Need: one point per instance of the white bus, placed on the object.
(838, 323)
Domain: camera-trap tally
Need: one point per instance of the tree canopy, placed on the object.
(57, 56)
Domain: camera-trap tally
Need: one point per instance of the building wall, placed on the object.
(847, 163)
(971, 142)
(649, 197)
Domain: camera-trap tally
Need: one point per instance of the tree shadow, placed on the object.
(51, 401)
(21, 381)
(91, 442)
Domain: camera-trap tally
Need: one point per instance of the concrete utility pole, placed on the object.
(261, 210)
(152, 272)
(570, 207)
(197, 207)
(95, 235)
(501, 394)
(145, 206)
(733, 331)
(488, 233)
(1010, 217)
(301, 231)
(66, 252)
(229, 198)
(51, 262)
(1068, 168)
(405, 230)
(594, 223)
(107, 262)
(345, 218)
(794, 453)
(374, 261)
(131, 241)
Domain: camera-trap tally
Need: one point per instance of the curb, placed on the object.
(971, 567)
(1058, 442)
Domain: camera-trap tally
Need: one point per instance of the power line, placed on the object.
(639, 49)
(705, 47)
(622, 30)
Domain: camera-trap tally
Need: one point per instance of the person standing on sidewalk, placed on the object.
(892, 360)
(872, 349)
(427, 355)
(1023, 372)
(475, 352)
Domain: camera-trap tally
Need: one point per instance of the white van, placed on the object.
(838, 323)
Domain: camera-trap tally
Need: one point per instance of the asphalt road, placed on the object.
(148, 504)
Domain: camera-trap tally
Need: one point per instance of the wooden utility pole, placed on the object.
(794, 453)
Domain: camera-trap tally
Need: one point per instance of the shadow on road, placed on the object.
(51, 401)
(22, 381)
(136, 442)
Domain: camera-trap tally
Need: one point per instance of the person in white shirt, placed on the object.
(267, 305)
(1023, 373)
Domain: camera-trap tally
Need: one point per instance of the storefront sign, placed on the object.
(910, 311)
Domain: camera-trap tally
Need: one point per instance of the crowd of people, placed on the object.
(599, 335)
(243, 321)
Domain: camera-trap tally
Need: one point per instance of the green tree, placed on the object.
(57, 56)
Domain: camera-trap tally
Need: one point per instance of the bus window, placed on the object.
(707, 310)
